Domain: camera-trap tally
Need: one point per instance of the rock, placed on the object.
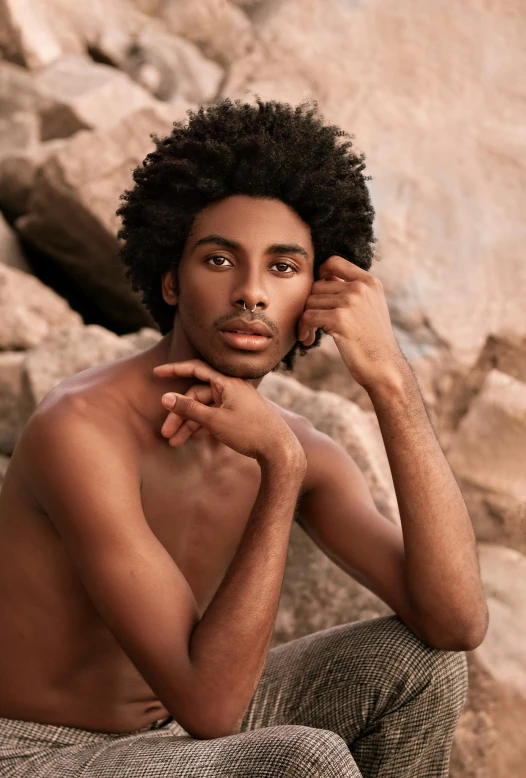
(10, 251)
(18, 93)
(172, 68)
(497, 675)
(71, 212)
(487, 455)
(18, 132)
(30, 310)
(40, 32)
(356, 431)
(143, 339)
(81, 94)
(18, 171)
(316, 594)
(37, 32)
(11, 372)
(222, 31)
(456, 151)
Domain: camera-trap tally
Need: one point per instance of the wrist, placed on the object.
(291, 461)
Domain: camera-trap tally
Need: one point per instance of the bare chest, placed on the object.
(199, 511)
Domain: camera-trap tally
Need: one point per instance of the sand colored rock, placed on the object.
(487, 454)
(85, 95)
(30, 310)
(10, 251)
(220, 29)
(489, 740)
(71, 212)
(11, 372)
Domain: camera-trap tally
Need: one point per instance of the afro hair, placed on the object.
(271, 150)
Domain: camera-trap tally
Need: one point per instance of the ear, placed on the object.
(169, 287)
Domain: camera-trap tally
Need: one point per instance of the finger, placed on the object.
(201, 392)
(185, 431)
(190, 408)
(190, 367)
(343, 268)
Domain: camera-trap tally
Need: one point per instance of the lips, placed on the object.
(247, 327)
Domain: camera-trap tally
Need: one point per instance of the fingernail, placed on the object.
(168, 400)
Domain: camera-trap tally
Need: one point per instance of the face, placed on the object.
(256, 251)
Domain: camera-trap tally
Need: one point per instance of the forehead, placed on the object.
(253, 222)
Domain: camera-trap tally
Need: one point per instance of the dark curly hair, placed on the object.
(271, 150)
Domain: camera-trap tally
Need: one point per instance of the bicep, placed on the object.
(86, 481)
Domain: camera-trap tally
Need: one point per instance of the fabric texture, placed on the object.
(366, 699)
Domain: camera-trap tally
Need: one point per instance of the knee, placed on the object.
(308, 752)
(449, 674)
(389, 643)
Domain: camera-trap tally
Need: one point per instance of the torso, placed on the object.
(59, 663)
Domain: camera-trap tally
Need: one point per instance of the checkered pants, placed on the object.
(357, 700)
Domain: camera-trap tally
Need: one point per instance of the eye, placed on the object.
(283, 264)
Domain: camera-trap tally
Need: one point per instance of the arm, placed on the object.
(231, 642)
(86, 477)
(441, 563)
(339, 514)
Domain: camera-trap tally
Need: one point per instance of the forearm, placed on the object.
(441, 562)
(229, 646)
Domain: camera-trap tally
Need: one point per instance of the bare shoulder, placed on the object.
(64, 427)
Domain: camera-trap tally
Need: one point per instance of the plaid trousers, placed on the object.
(357, 700)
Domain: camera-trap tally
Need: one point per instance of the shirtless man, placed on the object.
(142, 554)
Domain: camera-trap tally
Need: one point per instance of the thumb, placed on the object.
(187, 407)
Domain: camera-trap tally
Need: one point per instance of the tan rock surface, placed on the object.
(489, 740)
(11, 253)
(487, 455)
(71, 212)
(11, 372)
(220, 29)
(30, 310)
(81, 94)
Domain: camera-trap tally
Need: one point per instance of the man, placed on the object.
(142, 554)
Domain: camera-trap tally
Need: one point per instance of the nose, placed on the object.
(250, 294)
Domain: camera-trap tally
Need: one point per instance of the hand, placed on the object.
(240, 417)
(350, 305)
(178, 429)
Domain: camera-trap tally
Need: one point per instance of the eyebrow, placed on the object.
(274, 248)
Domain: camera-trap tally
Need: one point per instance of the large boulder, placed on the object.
(11, 373)
(80, 95)
(71, 211)
(37, 33)
(487, 456)
(10, 250)
(30, 310)
(489, 739)
(220, 29)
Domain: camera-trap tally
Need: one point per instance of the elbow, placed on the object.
(465, 639)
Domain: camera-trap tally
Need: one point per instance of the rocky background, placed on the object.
(434, 95)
